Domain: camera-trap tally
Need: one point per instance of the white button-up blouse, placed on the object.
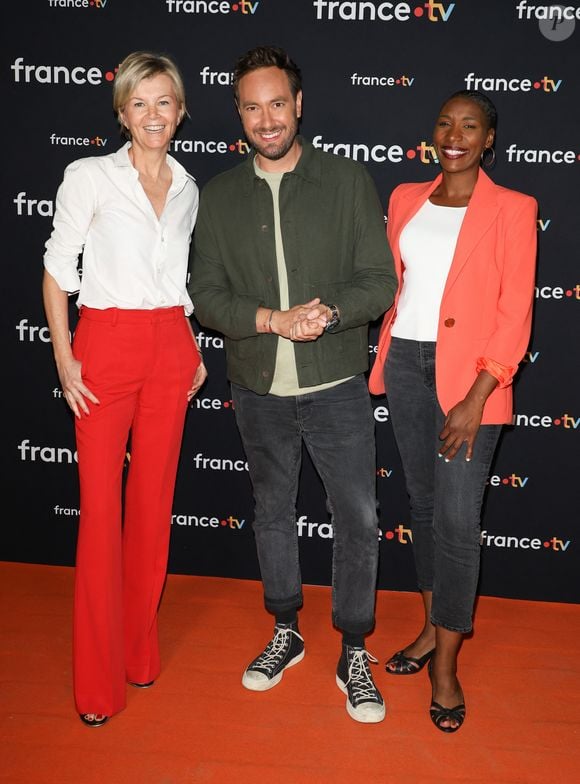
(130, 258)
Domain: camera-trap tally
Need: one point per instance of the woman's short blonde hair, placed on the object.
(143, 65)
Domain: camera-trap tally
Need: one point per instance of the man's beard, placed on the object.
(273, 152)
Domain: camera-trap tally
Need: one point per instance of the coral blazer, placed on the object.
(485, 315)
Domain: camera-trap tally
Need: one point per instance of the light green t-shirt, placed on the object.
(285, 381)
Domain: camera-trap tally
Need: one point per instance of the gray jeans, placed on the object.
(445, 498)
(337, 427)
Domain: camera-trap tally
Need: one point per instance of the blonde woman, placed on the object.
(129, 373)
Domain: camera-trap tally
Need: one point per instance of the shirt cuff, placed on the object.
(503, 373)
(67, 278)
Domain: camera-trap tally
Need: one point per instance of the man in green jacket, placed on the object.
(291, 264)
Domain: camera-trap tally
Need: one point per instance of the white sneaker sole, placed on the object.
(257, 681)
(367, 712)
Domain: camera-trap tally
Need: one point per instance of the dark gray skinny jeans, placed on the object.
(445, 498)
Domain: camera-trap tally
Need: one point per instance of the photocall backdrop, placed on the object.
(375, 74)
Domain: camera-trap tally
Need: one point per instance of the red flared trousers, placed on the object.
(139, 364)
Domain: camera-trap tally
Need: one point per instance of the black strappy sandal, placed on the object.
(439, 714)
(408, 665)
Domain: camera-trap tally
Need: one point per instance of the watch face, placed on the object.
(334, 319)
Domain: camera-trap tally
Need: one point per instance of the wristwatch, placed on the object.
(334, 319)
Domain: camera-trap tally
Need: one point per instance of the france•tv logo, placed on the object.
(98, 4)
(385, 12)
(244, 7)
(60, 74)
(512, 84)
(208, 521)
(78, 141)
(504, 541)
(378, 153)
(210, 146)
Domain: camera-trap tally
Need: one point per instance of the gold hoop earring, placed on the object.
(487, 163)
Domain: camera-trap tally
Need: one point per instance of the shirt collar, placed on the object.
(180, 174)
(121, 157)
(308, 166)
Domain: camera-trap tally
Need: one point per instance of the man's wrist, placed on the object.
(269, 322)
(264, 318)
(334, 319)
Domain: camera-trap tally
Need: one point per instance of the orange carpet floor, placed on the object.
(520, 672)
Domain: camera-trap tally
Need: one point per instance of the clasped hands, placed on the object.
(301, 323)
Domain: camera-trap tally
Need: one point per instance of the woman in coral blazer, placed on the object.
(465, 252)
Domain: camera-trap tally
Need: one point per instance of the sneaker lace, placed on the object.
(359, 676)
(276, 648)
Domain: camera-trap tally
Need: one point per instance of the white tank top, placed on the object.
(427, 245)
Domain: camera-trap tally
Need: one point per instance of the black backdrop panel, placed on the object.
(374, 74)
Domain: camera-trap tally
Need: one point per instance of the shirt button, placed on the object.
(450, 322)
(265, 374)
(264, 227)
(269, 279)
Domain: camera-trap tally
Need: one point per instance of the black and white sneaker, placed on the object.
(284, 650)
(353, 677)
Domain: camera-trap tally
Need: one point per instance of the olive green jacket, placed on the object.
(335, 248)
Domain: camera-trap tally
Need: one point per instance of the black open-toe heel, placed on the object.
(93, 719)
(439, 714)
(408, 665)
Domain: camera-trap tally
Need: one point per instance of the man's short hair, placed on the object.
(267, 57)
